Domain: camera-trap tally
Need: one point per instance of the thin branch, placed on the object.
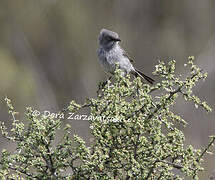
(171, 94)
(206, 149)
(177, 166)
(22, 171)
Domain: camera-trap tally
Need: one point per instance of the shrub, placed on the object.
(136, 134)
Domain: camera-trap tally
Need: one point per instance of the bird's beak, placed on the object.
(117, 39)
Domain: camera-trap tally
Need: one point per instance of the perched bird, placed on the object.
(110, 53)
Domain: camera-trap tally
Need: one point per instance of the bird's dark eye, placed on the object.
(109, 38)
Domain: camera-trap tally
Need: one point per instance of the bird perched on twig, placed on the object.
(110, 53)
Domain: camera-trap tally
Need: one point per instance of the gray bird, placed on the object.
(110, 53)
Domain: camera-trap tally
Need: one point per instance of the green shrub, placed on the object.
(136, 135)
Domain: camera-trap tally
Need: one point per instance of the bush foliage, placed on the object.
(136, 134)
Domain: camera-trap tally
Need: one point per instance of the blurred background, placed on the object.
(48, 53)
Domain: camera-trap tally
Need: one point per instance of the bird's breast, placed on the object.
(106, 60)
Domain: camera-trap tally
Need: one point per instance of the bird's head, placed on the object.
(107, 38)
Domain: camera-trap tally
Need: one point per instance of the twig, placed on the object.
(206, 149)
(171, 94)
(21, 171)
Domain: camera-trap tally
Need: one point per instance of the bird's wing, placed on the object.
(126, 55)
(137, 72)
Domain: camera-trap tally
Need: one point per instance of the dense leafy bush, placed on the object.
(136, 135)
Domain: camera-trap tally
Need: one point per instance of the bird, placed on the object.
(110, 54)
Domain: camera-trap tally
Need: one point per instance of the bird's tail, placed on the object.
(143, 76)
